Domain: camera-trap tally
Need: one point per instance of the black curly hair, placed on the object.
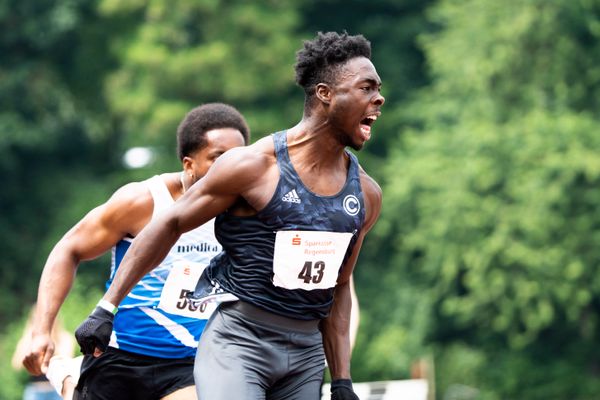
(191, 133)
(321, 58)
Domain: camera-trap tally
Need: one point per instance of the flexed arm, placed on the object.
(226, 181)
(92, 236)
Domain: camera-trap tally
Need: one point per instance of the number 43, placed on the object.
(306, 274)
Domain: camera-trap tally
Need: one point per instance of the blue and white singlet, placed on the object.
(156, 318)
(286, 259)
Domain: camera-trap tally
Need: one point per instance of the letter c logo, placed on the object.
(351, 205)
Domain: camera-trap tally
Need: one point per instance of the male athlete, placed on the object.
(292, 212)
(156, 330)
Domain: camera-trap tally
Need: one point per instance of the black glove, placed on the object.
(341, 389)
(95, 331)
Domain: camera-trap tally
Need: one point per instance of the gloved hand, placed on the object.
(341, 389)
(95, 331)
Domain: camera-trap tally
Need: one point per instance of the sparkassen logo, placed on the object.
(351, 205)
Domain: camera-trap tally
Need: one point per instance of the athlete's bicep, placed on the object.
(124, 213)
(373, 197)
(348, 266)
(90, 237)
(232, 176)
(195, 208)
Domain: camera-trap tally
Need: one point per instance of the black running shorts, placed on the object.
(120, 375)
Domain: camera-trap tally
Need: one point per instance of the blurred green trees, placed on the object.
(184, 53)
(54, 133)
(492, 200)
(484, 258)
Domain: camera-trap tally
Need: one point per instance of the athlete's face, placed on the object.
(218, 142)
(356, 101)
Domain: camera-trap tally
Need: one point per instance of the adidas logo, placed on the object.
(291, 197)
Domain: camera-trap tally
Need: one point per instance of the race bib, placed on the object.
(182, 280)
(308, 259)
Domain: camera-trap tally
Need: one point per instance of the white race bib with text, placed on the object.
(308, 259)
(182, 280)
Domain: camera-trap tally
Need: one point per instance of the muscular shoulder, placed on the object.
(124, 213)
(373, 196)
(255, 155)
(247, 172)
(130, 207)
(244, 165)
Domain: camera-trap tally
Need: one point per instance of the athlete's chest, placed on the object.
(293, 206)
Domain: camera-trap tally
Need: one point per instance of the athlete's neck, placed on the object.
(318, 141)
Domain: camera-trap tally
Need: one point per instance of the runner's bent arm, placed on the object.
(354, 314)
(92, 236)
(231, 176)
(336, 327)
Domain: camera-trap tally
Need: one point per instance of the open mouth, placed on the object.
(365, 126)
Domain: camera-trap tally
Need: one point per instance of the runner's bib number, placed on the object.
(308, 259)
(182, 280)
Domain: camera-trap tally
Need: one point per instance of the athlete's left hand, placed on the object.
(341, 389)
(93, 334)
(40, 352)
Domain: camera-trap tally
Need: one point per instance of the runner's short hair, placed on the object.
(191, 133)
(320, 59)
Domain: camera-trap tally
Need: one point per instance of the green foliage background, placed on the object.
(484, 260)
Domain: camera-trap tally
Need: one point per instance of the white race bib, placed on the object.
(182, 280)
(308, 259)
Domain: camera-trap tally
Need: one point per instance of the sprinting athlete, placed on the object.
(292, 212)
(156, 329)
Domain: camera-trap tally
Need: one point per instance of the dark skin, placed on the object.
(243, 180)
(125, 214)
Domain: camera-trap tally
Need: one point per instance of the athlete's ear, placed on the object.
(188, 165)
(323, 92)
